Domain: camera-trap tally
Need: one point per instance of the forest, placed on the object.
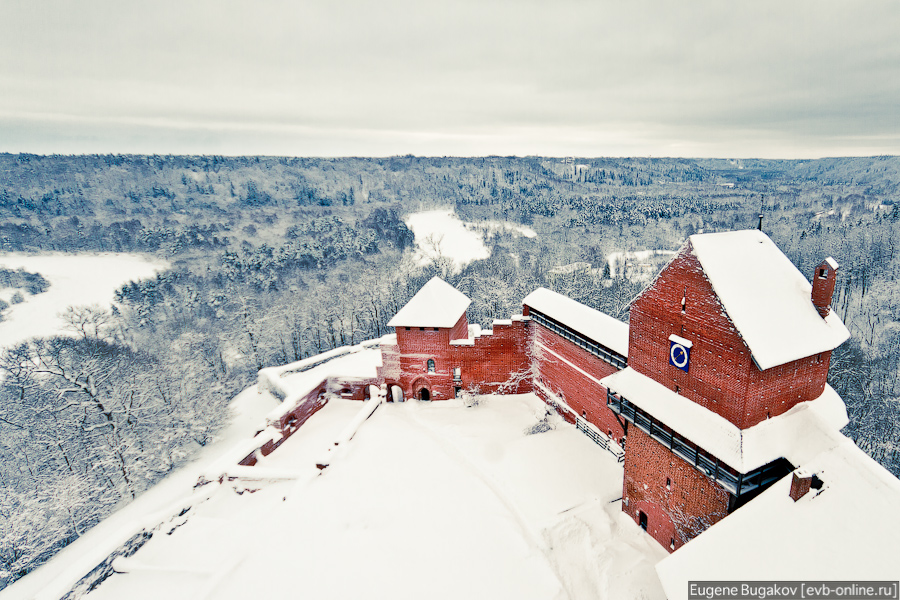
(277, 259)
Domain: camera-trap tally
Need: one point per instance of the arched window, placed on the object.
(431, 365)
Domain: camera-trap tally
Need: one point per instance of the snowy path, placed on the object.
(467, 463)
(588, 544)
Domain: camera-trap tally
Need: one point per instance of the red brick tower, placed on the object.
(726, 340)
(434, 317)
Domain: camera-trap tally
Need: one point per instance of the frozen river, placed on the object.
(441, 233)
(75, 280)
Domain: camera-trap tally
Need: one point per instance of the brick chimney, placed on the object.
(801, 481)
(823, 282)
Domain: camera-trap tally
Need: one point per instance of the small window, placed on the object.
(457, 373)
(430, 365)
(642, 520)
(407, 328)
(668, 483)
(823, 273)
(672, 544)
(584, 414)
(421, 329)
(677, 389)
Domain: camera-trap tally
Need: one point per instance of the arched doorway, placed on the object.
(420, 389)
(396, 393)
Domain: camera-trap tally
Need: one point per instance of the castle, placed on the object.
(713, 390)
(714, 396)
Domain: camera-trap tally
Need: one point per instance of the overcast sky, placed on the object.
(760, 78)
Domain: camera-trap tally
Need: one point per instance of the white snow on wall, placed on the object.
(437, 304)
(294, 381)
(797, 435)
(766, 297)
(848, 530)
(587, 321)
(75, 280)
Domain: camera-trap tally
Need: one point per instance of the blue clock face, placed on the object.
(679, 356)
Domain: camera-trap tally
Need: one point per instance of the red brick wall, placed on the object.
(777, 390)
(309, 405)
(496, 362)
(722, 376)
(489, 361)
(416, 346)
(352, 388)
(573, 374)
(690, 504)
(460, 331)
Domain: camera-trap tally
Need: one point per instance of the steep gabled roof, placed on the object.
(591, 323)
(437, 304)
(766, 297)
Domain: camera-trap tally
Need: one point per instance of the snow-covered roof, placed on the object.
(591, 323)
(850, 529)
(766, 297)
(797, 435)
(832, 263)
(437, 304)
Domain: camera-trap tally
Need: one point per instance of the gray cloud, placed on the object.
(708, 78)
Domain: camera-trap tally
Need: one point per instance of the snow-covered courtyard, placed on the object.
(428, 500)
(75, 280)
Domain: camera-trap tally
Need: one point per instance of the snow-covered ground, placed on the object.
(442, 233)
(75, 280)
(428, 500)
